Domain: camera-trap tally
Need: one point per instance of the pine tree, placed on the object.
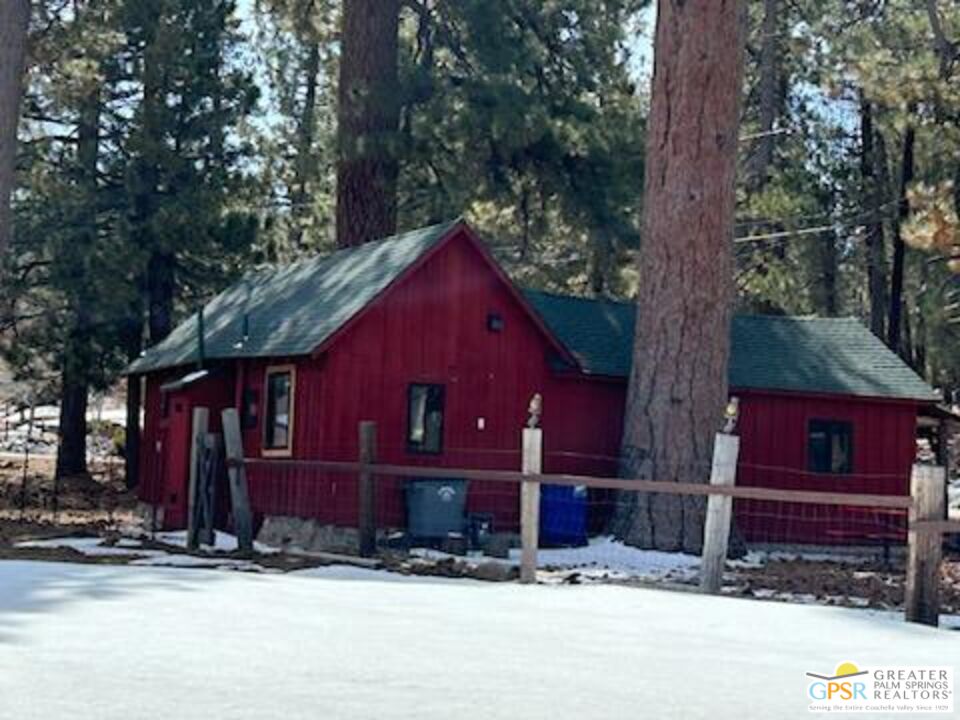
(521, 116)
(14, 18)
(133, 204)
(183, 159)
(524, 116)
(70, 312)
(368, 115)
(184, 156)
(678, 385)
(297, 42)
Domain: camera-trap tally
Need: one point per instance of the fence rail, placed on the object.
(924, 533)
(666, 487)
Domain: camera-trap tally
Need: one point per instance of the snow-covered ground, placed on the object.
(604, 558)
(16, 433)
(114, 642)
(132, 548)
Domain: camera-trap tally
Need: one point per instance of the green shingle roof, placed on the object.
(291, 310)
(823, 355)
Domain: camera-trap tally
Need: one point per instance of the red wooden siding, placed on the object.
(773, 453)
(431, 327)
(165, 445)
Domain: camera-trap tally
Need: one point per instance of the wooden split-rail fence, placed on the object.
(925, 506)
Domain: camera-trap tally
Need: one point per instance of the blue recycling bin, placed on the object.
(563, 515)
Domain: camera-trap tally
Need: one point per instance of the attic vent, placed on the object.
(494, 322)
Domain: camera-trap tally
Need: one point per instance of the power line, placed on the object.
(767, 133)
(791, 233)
(863, 213)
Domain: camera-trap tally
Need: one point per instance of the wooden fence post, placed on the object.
(922, 597)
(716, 530)
(239, 498)
(198, 429)
(26, 461)
(367, 520)
(530, 504)
(211, 468)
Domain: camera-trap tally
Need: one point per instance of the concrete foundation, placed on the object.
(293, 533)
(149, 517)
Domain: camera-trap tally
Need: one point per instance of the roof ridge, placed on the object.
(581, 298)
(344, 251)
(745, 316)
(801, 318)
(768, 352)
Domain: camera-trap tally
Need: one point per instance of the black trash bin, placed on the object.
(436, 507)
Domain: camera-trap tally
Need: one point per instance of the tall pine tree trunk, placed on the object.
(768, 91)
(72, 447)
(131, 449)
(368, 116)
(678, 385)
(14, 18)
(144, 207)
(825, 292)
(894, 340)
(305, 169)
(873, 200)
(161, 287)
(600, 262)
(78, 357)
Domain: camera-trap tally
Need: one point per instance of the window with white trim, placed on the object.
(278, 409)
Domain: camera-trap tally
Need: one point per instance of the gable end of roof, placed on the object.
(293, 309)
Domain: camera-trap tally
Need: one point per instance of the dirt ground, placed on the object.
(32, 505)
(871, 584)
(94, 506)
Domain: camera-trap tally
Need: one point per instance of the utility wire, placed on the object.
(767, 133)
(795, 233)
(861, 214)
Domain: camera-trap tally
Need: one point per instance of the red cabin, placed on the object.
(426, 335)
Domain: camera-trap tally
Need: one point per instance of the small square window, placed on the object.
(425, 418)
(830, 447)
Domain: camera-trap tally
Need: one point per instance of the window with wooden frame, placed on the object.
(830, 447)
(278, 412)
(425, 418)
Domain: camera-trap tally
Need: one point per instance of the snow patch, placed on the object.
(92, 546)
(607, 553)
(222, 542)
(131, 547)
(192, 561)
(604, 558)
(332, 644)
(759, 558)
